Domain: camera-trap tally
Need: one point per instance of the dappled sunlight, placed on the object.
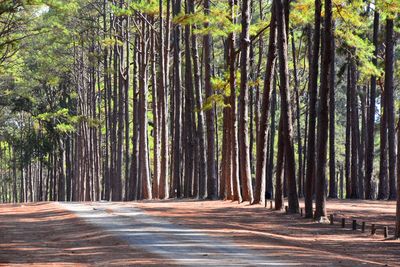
(45, 235)
(277, 234)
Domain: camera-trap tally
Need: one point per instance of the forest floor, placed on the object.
(188, 232)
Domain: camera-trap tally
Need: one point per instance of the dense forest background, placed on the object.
(239, 100)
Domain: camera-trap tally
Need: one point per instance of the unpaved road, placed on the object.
(177, 243)
(188, 233)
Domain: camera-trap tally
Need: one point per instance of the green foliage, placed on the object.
(302, 12)
(149, 7)
(389, 8)
(351, 31)
(218, 23)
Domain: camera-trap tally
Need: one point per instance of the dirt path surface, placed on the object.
(291, 237)
(184, 245)
(44, 234)
(192, 233)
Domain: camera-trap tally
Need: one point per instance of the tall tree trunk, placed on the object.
(244, 153)
(233, 126)
(262, 140)
(361, 148)
(156, 116)
(189, 115)
(383, 182)
(126, 105)
(280, 168)
(270, 164)
(312, 89)
(286, 108)
(323, 116)
(143, 140)
(348, 134)
(201, 139)
(177, 104)
(389, 98)
(354, 131)
(212, 184)
(332, 160)
(299, 144)
(163, 59)
(369, 153)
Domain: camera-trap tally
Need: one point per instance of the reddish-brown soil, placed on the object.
(292, 237)
(43, 234)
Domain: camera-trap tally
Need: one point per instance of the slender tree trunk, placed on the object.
(323, 116)
(313, 84)
(348, 134)
(262, 144)
(244, 153)
(210, 114)
(189, 115)
(354, 132)
(126, 111)
(177, 104)
(143, 140)
(286, 108)
(369, 157)
(163, 56)
(270, 186)
(332, 160)
(383, 181)
(389, 98)
(361, 147)
(233, 126)
(201, 139)
(299, 144)
(280, 168)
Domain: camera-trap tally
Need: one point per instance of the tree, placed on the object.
(323, 117)
(369, 157)
(287, 128)
(177, 164)
(212, 190)
(354, 170)
(244, 153)
(332, 163)
(312, 88)
(389, 102)
(261, 155)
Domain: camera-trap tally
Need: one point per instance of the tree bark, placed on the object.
(369, 153)
(323, 116)
(286, 108)
(212, 183)
(261, 156)
(389, 98)
(332, 160)
(313, 84)
(354, 132)
(244, 153)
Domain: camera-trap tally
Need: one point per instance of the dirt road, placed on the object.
(182, 233)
